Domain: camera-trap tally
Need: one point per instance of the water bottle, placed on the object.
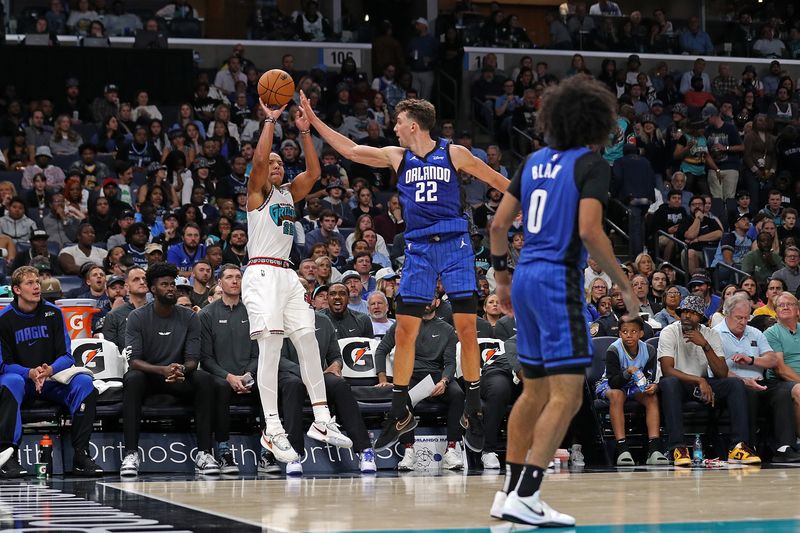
(640, 380)
(46, 453)
(697, 450)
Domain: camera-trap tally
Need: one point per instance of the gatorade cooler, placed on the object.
(78, 313)
(5, 302)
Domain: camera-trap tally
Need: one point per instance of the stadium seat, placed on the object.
(68, 283)
(185, 28)
(14, 176)
(53, 248)
(64, 161)
(86, 130)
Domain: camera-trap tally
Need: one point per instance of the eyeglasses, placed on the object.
(785, 306)
(673, 293)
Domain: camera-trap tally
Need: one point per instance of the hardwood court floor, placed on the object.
(730, 499)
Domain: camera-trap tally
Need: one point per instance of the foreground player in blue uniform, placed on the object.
(562, 189)
(437, 246)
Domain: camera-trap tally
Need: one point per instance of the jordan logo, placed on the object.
(463, 243)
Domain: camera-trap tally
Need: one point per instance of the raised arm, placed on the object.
(388, 157)
(464, 160)
(258, 185)
(303, 182)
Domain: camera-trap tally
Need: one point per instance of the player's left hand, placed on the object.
(305, 106)
(301, 120)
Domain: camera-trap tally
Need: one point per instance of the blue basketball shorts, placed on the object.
(451, 258)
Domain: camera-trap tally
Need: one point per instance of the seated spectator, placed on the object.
(37, 133)
(768, 45)
(236, 251)
(80, 18)
(762, 262)
(15, 224)
(626, 358)
(328, 221)
(348, 323)
(698, 70)
(694, 41)
(742, 206)
(167, 364)
(140, 152)
(670, 301)
(774, 289)
(72, 258)
(92, 171)
(187, 253)
(748, 354)
(733, 246)
(774, 208)
(179, 9)
(38, 250)
(781, 337)
(788, 227)
(55, 175)
(355, 293)
(113, 327)
(790, 273)
(60, 227)
(378, 307)
(310, 25)
(435, 357)
(593, 271)
(106, 105)
(641, 289)
(120, 22)
(608, 325)
(606, 8)
(56, 17)
(698, 231)
(35, 348)
(668, 217)
(688, 353)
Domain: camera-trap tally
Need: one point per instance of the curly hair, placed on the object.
(160, 270)
(420, 111)
(579, 111)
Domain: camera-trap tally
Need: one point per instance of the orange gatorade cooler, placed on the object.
(78, 313)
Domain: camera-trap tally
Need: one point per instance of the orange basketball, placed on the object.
(275, 87)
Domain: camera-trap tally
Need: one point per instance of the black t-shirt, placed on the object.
(727, 135)
(666, 217)
(707, 225)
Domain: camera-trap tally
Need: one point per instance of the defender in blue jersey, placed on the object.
(437, 246)
(562, 190)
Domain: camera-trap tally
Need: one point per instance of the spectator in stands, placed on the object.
(227, 78)
(742, 206)
(106, 105)
(634, 182)
(762, 262)
(179, 9)
(165, 363)
(109, 138)
(56, 17)
(580, 26)
(486, 91)
(389, 224)
(16, 154)
(140, 152)
(733, 246)
(120, 22)
(671, 300)
(72, 258)
(80, 18)
(187, 253)
(35, 348)
(236, 251)
(155, 253)
(725, 85)
(92, 171)
(774, 289)
(333, 203)
(788, 227)
(60, 228)
(310, 25)
(625, 358)
(435, 357)
(724, 146)
(790, 273)
(15, 224)
(38, 249)
(423, 54)
(695, 41)
(484, 212)
(606, 8)
(768, 45)
(37, 133)
(697, 232)
(378, 306)
(698, 70)
(748, 354)
(608, 325)
(348, 323)
(688, 353)
(781, 338)
(759, 159)
(94, 285)
(668, 218)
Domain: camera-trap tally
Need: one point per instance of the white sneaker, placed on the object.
(279, 445)
(366, 461)
(533, 511)
(576, 456)
(409, 460)
(295, 468)
(329, 433)
(453, 459)
(206, 465)
(5, 455)
(490, 461)
(497, 505)
(130, 465)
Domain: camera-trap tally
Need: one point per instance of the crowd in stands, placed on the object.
(98, 188)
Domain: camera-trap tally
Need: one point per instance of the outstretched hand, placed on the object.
(301, 120)
(274, 114)
(305, 107)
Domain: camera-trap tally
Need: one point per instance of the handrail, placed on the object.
(617, 228)
(674, 239)
(485, 128)
(453, 100)
(515, 131)
(621, 205)
(733, 269)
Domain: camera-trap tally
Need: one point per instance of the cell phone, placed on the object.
(248, 380)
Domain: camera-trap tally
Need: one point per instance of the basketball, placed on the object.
(275, 88)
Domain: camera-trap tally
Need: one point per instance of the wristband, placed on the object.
(499, 263)
(752, 361)
(269, 119)
(305, 132)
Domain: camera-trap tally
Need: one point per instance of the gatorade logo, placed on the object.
(76, 322)
(491, 349)
(357, 355)
(91, 356)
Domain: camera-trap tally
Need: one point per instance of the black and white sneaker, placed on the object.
(473, 430)
(227, 465)
(12, 468)
(206, 465)
(268, 465)
(393, 428)
(788, 456)
(83, 465)
(130, 465)
(531, 510)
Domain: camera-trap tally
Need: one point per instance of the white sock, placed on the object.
(321, 413)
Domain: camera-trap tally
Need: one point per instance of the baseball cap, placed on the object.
(51, 286)
(699, 279)
(666, 265)
(422, 20)
(464, 134)
(111, 88)
(73, 82)
(681, 109)
(386, 273)
(153, 247)
(200, 162)
(746, 215)
(41, 263)
(155, 166)
(109, 181)
(742, 194)
(182, 282)
(350, 274)
(114, 279)
(657, 102)
(45, 151)
(127, 214)
(39, 234)
(710, 110)
(335, 184)
(289, 142)
(317, 290)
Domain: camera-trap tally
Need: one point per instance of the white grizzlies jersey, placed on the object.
(270, 228)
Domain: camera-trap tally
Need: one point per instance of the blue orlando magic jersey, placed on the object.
(430, 193)
(550, 185)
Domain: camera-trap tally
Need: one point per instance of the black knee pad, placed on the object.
(410, 308)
